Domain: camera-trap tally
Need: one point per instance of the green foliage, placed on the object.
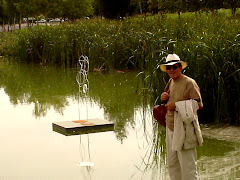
(211, 46)
(114, 9)
(18, 9)
(55, 8)
(26, 8)
(181, 6)
(1, 10)
(75, 9)
(209, 43)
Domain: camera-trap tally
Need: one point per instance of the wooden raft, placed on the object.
(82, 126)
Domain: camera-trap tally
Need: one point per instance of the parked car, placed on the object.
(42, 21)
(55, 20)
(29, 20)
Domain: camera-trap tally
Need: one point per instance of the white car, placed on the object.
(55, 20)
(42, 21)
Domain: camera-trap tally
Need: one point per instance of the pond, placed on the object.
(34, 97)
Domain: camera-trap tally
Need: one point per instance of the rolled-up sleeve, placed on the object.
(194, 92)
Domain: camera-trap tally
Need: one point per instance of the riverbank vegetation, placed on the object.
(209, 42)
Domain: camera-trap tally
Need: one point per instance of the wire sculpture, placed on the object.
(82, 80)
(82, 76)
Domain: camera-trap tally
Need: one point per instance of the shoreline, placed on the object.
(221, 132)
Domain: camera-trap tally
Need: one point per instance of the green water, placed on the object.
(34, 97)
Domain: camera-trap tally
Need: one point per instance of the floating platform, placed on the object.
(78, 127)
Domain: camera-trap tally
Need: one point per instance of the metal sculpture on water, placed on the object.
(82, 76)
(82, 80)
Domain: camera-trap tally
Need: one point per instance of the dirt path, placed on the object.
(222, 132)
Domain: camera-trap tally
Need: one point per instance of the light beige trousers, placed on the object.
(182, 165)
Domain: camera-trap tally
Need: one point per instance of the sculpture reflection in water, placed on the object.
(83, 83)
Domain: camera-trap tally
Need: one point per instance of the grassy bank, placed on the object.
(210, 43)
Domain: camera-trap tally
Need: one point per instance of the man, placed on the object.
(182, 164)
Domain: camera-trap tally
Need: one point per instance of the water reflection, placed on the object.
(51, 88)
(218, 160)
(86, 164)
(45, 87)
(138, 153)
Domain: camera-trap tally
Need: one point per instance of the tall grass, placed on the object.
(211, 46)
(210, 43)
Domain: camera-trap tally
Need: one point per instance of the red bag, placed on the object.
(159, 113)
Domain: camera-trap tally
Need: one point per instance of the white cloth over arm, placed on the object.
(187, 133)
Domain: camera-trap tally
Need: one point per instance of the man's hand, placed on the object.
(170, 125)
(164, 96)
(170, 106)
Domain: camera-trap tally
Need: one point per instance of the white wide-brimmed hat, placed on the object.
(171, 60)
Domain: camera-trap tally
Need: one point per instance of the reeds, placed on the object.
(210, 44)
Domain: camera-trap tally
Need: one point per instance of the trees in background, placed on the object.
(233, 5)
(1, 10)
(113, 9)
(191, 5)
(15, 10)
(138, 7)
(75, 9)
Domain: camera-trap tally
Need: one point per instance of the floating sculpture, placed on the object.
(81, 126)
(82, 76)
